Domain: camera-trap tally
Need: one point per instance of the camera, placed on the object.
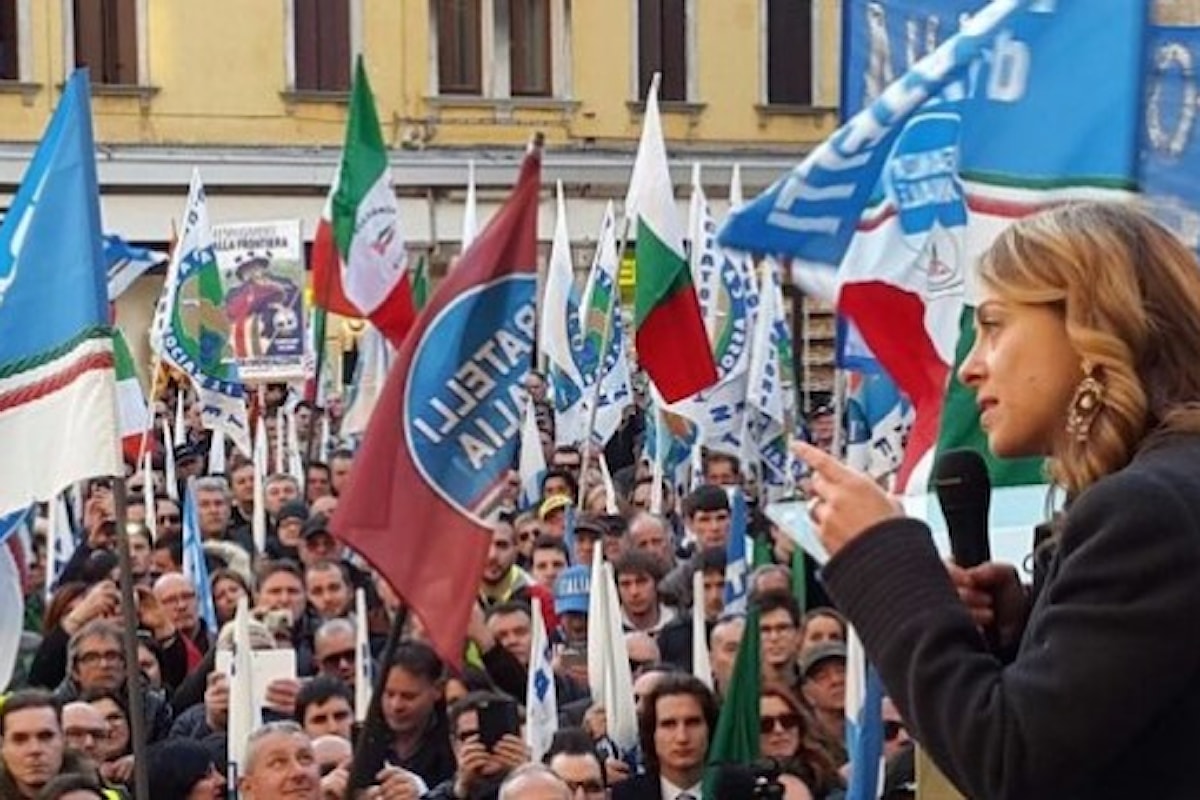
(759, 781)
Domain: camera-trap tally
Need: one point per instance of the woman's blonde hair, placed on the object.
(1129, 292)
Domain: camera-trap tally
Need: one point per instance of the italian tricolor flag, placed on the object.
(133, 415)
(360, 265)
(671, 341)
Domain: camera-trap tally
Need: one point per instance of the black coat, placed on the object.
(639, 787)
(1102, 699)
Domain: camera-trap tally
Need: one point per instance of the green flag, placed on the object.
(737, 738)
(420, 283)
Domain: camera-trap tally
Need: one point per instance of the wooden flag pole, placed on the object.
(129, 617)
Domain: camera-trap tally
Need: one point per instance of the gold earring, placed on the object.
(1085, 406)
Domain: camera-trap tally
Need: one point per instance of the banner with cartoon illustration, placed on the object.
(262, 269)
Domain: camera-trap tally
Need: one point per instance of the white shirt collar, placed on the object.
(671, 792)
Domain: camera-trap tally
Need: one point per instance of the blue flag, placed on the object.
(194, 565)
(126, 263)
(737, 563)
(56, 355)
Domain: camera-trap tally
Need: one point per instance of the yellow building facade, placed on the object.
(254, 94)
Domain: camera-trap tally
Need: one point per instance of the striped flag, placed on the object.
(359, 256)
(57, 377)
(541, 696)
(672, 344)
(132, 411)
(770, 397)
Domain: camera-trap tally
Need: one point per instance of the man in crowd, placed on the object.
(334, 651)
(482, 766)
(824, 673)
(327, 587)
(32, 748)
(638, 574)
(650, 533)
(779, 627)
(678, 718)
(415, 714)
(548, 560)
(177, 596)
(325, 707)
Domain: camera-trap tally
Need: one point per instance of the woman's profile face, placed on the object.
(1023, 371)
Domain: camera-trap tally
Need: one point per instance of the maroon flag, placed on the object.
(428, 480)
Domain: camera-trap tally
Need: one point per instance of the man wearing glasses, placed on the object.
(96, 663)
(573, 758)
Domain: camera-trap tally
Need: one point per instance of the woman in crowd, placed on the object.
(789, 736)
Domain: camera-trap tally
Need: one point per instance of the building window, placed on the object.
(459, 29)
(789, 52)
(529, 48)
(10, 63)
(322, 42)
(662, 47)
(106, 40)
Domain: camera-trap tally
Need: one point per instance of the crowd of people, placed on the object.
(65, 727)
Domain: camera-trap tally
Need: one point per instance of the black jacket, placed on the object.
(639, 787)
(1102, 699)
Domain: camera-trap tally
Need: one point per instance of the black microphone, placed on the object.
(964, 492)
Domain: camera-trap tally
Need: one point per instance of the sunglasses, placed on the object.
(786, 722)
(168, 518)
(588, 787)
(335, 660)
(892, 729)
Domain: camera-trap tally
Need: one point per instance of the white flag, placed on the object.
(532, 464)
(148, 497)
(258, 523)
(559, 332)
(245, 716)
(470, 222)
(169, 462)
(362, 657)
(216, 454)
(701, 665)
(609, 675)
(541, 696)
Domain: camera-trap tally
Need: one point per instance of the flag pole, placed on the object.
(137, 715)
(594, 405)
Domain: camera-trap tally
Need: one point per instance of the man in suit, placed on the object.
(678, 718)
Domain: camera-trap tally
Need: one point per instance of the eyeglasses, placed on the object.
(168, 518)
(786, 722)
(335, 660)
(588, 787)
(776, 630)
(78, 734)
(892, 729)
(95, 657)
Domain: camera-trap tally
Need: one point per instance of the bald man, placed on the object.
(533, 782)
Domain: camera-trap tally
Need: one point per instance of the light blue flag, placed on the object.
(126, 263)
(737, 562)
(58, 406)
(864, 724)
(812, 212)
(194, 565)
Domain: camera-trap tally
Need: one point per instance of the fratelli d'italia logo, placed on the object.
(465, 395)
